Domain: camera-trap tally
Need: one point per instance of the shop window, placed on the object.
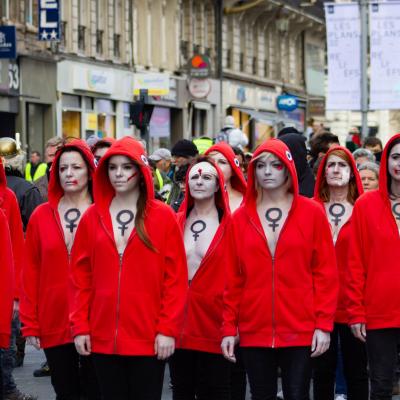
(71, 124)
(106, 117)
(160, 128)
(88, 103)
(70, 101)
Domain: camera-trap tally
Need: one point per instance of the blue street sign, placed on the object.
(287, 102)
(8, 42)
(49, 20)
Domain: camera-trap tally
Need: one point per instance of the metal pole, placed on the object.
(364, 66)
(219, 11)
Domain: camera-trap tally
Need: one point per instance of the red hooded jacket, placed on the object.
(124, 302)
(9, 204)
(44, 305)
(203, 312)
(7, 282)
(238, 182)
(373, 283)
(279, 301)
(342, 245)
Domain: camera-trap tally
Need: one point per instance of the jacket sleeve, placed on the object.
(18, 243)
(7, 280)
(325, 274)
(81, 278)
(235, 281)
(175, 281)
(30, 278)
(356, 273)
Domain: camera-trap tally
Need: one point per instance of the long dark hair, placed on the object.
(389, 178)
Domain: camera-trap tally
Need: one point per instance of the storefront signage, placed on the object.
(91, 122)
(266, 100)
(156, 84)
(8, 42)
(199, 88)
(93, 80)
(287, 102)
(199, 66)
(241, 94)
(49, 20)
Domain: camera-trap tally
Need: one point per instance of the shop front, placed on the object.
(93, 100)
(9, 90)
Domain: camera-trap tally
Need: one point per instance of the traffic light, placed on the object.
(140, 114)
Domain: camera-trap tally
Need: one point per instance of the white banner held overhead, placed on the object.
(385, 56)
(343, 32)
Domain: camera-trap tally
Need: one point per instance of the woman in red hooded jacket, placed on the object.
(373, 281)
(282, 290)
(45, 277)
(198, 368)
(6, 292)
(337, 188)
(129, 278)
(235, 184)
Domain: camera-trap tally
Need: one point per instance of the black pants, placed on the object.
(238, 377)
(262, 370)
(129, 377)
(72, 376)
(354, 367)
(382, 355)
(199, 375)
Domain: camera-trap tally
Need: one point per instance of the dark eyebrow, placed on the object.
(395, 154)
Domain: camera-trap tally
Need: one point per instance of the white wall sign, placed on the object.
(266, 100)
(385, 55)
(156, 84)
(93, 80)
(343, 42)
(199, 88)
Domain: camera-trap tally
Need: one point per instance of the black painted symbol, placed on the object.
(274, 221)
(395, 210)
(124, 222)
(337, 215)
(196, 233)
(71, 220)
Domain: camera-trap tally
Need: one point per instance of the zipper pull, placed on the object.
(120, 259)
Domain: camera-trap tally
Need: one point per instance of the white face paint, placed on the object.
(337, 171)
(124, 175)
(73, 172)
(271, 172)
(223, 164)
(203, 181)
(394, 163)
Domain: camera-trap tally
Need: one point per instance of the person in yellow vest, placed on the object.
(203, 143)
(35, 169)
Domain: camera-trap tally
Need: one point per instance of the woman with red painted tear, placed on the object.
(282, 290)
(129, 278)
(373, 281)
(198, 368)
(45, 276)
(7, 286)
(337, 188)
(235, 184)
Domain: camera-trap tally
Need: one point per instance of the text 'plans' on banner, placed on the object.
(343, 32)
(385, 55)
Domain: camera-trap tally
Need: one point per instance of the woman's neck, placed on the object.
(338, 194)
(204, 207)
(395, 189)
(77, 198)
(277, 195)
(127, 199)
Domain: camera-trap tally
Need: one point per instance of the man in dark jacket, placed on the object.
(297, 146)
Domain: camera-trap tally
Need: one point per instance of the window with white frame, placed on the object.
(5, 9)
(29, 12)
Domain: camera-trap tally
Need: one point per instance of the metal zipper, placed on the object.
(118, 301)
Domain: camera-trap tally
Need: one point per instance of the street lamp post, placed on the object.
(364, 66)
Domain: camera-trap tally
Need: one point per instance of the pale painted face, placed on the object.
(73, 172)
(337, 171)
(271, 172)
(124, 175)
(99, 153)
(223, 164)
(369, 180)
(203, 181)
(394, 163)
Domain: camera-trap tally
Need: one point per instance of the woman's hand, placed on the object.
(164, 346)
(359, 331)
(83, 345)
(228, 348)
(33, 341)
(320, 342)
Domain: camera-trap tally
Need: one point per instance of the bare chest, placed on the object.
(338, 215)
(123, 222)
(395, 204)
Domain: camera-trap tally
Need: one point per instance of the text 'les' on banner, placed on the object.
(385, 55)
(343, 33)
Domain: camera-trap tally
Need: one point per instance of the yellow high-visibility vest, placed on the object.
(40, 171)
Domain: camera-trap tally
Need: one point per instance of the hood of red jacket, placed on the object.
(321, 172)
(238, 181)
(383, 171)
(102, 188)
(221, 197)
(280, 150)
(55, 189)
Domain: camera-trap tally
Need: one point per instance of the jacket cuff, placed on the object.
(27, 331)
(326, 326)
(81, 329)
(167, 330)
(360, 319)
(229, 331)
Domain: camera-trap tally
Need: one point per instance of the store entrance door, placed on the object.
(35, 125)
